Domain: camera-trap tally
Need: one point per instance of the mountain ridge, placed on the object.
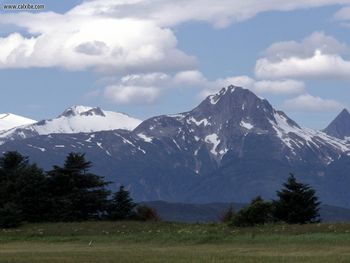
(9, 121)
(232, 147)
(74, 119)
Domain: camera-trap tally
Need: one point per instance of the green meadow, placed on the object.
(138, 242)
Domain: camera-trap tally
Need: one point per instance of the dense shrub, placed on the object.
(227, 215)
(146, 213)
(258, 212)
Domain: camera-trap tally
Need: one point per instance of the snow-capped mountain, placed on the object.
(232, 147)
(75, 119)
(340, 126)
(223, 123)
(9, 121)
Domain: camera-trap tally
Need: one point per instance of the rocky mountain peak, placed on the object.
(340, 126)
(82, 111)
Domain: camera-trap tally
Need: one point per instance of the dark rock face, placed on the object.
(231, 148)
(340, 126)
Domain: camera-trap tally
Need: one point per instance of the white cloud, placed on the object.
(190, 77)
(170, 12)
(135, 39)
(131, 94)
(317, 56)
(124, 36)
(343, 14)
(307, 47)
(318, 66)
(137, 88)
(154, 78)
(307, 102)
(282, 87)
(78, 42)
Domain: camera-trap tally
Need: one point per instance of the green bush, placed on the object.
(146, 213)
(258, 212)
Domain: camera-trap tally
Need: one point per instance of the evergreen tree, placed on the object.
(12, 164)
(32, 196)
(258, 212)
(297, 203)
(76, 193)
(122, 206)
(22, 189)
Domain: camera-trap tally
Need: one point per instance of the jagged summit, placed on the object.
(82, 111)
(340, 126)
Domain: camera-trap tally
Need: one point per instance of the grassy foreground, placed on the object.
(135, 242)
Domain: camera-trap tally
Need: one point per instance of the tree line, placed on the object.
(296, 204)
(72, 193)
(67, 193)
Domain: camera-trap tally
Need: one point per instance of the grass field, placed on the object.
(135, 242)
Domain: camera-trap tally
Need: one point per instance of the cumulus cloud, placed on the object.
(281, 87)
(190, 77)
(307, 102)
(131, 94)
(318, 66)
(317, 56)
(284, 87)
(343, 14)
(126, 35)
(78, 42)
(170, 13)
(135, 39)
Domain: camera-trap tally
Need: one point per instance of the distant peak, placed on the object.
(227, 91)
(340, 126)
(345, 112)
(78, 110)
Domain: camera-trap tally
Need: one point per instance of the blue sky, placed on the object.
(147, 58)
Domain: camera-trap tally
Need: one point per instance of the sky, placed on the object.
(153, 57)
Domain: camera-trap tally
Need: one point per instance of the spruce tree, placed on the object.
(23, 195)
(122, 206)
(76, 193)
(297, 203)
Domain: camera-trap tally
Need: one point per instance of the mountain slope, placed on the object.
(75, 119)
(340, 126)
(231, 147)
(9, 121)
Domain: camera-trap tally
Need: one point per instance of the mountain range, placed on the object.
(232, 147)
(75, 119)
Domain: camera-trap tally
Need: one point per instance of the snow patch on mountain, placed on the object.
(198, 123)
(295, 137)
(9, 121)
(145, 137)
(246, 125)
(214, 140)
